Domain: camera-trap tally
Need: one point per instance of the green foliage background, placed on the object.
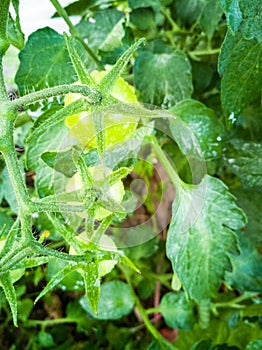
(202, 61)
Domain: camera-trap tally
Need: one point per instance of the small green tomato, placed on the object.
(118, 127)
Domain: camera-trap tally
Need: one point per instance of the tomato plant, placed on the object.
(130, 176)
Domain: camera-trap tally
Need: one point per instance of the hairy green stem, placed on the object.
(62, 13)
(94, 96)
(50, 207)
(14, 170)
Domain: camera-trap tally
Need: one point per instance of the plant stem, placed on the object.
(235, 302)
(166, 13)
(62, 13)
(205, 52)
(144, 316)
(174, 178)
(94, 96)
(49, 323)
(4, 45)
(15, 174)
(50, 207)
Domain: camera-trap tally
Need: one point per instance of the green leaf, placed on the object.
(72, 282)
(44, 62)
(10, 294)
(48, 181)
(7, 190)
(177, 311)
(246, 274)
(134, 4)
(200, 237)
(245, 160)
(256, 345)
(253, 310)
(58, 277)
(14, 31)
(233, 13)
(190, 10)
(6, 223)
(252, 17)
(210, 17)
(76, 52)
(60, 161)
(199, 128)
(92, 285)
(45, 339)
(163, 79)
(241, 83)
(15, 34)
(104, 31)
(116, 300)
(143, 18)
(25, 308)
(250, 201)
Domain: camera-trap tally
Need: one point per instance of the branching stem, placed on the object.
(93, 96)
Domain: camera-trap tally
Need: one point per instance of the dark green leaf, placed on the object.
(190, 10)
(241, 83)
(246, 268)
(44, 62)
(177, 311)
(252, 17)
(200, 128)
(256, 345)
(116, 300)
(163, 79)
(104, 31)
(251, 202)
(200, 237)
(143, 18)
(245, 160)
